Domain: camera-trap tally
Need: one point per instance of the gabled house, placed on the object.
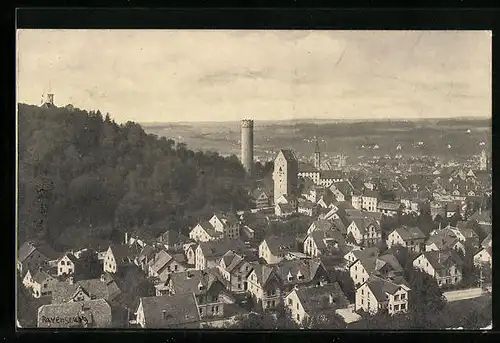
(325, 225)
(366, 232)
(172, 240)
(384, 266)
(68, 265)
(444, 266)
(389, 208)
(204, 232)
(284, 210)
(227, 224)
(410, 237)
(355, 254)
(487, 241)
(85, 314)
(190, 253)
(274, 248)
(444, 240)
(29, 257)
(204, 284)
(307, 208)
(208, 254)
(367, 201)
(117, 257)
(146, 254)
(376, 295)
(311, 302)
(178, 311)
(269, 284)
(320, 243)
(234, 269)
(342, 190)
(164, 263)
(84, 290)
(484, 257)
(464, 234)
(40, 283)
(261, 198)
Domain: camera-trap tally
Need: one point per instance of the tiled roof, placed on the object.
(410, 233)
(307, 168)
(307, 205)
(307, 267)
(363, 223)
(205, 225)
(326, 240)
(281, 244)
(288, 154)
(331, 174)
(25, 250)
(215, 249)
(316, 299)
(160, 261)
(121, 252)
(188, 281)
(389, 260)
(371, 193)
(107, 290)
(389, 205)
(442, 259)
(172, 237)
(170, 311)
(40, 276)
(444, 239)
(97, 314)
(286, 208)
(487, 241)
(381, 287)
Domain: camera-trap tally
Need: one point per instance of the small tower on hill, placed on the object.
(47, 99)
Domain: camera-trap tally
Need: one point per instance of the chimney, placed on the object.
(70, 280)
(126, 237)
(164, 314)
(103, 278)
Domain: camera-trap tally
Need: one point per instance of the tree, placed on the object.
(325, 321)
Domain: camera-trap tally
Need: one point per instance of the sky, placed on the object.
(222, 75)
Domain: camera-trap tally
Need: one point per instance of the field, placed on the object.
(466, 137)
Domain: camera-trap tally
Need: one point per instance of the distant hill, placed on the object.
(339, 136)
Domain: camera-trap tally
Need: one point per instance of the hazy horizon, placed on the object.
(179, 76)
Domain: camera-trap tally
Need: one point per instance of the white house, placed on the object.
(410, 237)
(444, 266)
(378, 294)
(484, 257)
(204, 232)
(274, 248)
(67, 265)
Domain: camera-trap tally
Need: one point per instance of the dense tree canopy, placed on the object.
(78, 170)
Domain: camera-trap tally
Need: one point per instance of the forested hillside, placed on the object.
(83, 178)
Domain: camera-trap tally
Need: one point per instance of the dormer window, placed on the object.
(200, 286)
(300, 276)
(289, 276)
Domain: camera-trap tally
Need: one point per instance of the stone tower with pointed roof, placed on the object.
(285, 174)
(317, 156)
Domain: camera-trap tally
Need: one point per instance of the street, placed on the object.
(463, 294)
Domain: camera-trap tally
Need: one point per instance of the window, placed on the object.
(217, 308)
(290, 301)
(63, 263)
(298, 317)
(239, 278)
(175, 267)
(403, 296)
(403, 306)
(297, 306)
(396, 307)
(60, 270)
(44, 285)
(361, 301)
(201, 310)
(362, 292)
(396, 297)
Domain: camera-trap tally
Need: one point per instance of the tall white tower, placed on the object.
(285, 172)
(47, 99)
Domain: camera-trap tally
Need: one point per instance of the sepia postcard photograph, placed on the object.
(254, 179)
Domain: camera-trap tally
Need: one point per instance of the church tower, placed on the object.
(483, 160)
(317, 157)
